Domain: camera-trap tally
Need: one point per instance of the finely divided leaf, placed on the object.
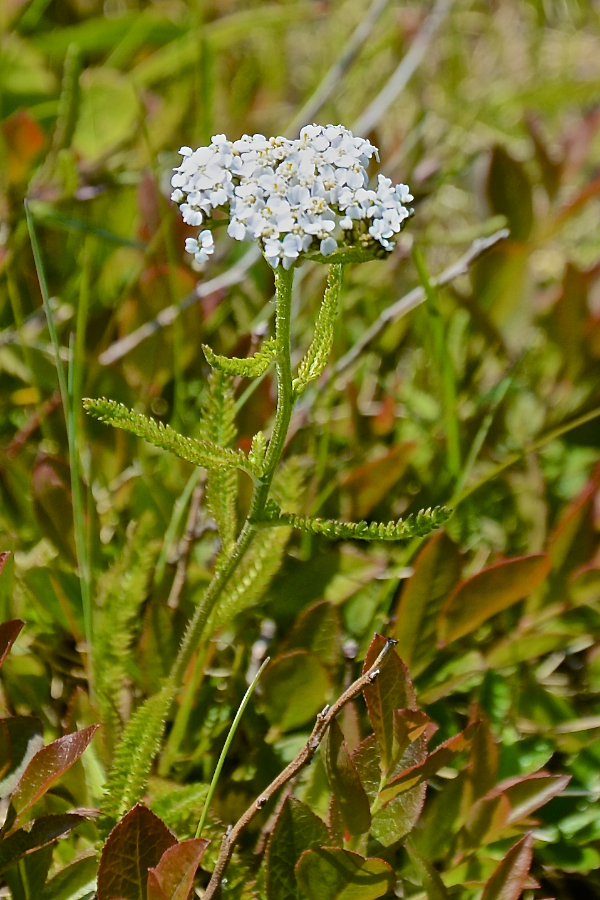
(313, 364)
(197, 451)
(419, 525)
(251, 367)
(296, 829)
(134, 756)
(329, 873)
(221, 486)
(344, 781)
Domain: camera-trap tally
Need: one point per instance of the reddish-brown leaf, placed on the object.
(526, 794)
(489, 592)
(391, 690)
(48, 765)
(441, 756)
(371, 482)
(174, 875)
(344, 781)
(508, 879)
(135, 845)
(8, 632)
(41, 832)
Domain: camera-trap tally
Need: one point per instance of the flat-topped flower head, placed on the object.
(308, 197)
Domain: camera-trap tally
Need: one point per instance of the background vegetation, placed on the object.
(483, 398)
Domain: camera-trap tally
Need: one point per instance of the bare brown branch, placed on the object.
(324, 719)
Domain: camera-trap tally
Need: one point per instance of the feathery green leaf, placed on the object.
(263, 560)
(222, 484)
(134, 756)
(419, 525)
(121, 592)
(251, 367)
(313, 364)
(199, 451)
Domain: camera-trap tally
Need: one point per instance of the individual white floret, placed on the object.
(202, 247)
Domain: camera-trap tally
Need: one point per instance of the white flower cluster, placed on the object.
(291, 196)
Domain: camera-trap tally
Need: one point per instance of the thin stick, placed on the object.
(227, 745)
(409, 63)
(337, 71)
(417, 296)
(186, 546)
(324, 719)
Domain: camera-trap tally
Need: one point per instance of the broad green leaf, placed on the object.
(409, 726)
(367, 760)
(108, 112)
(391, 690)
(508, 879)
(436, 572)
(318, 628)
(483, 760)
(571, 543)
(430, 877)
(295, 688)
(332, 874)
(296, 829)
(136, 844)
(442, 756)
(47, 766)
(74, 881)
(519, 647)
(37, 834)
(526, 794)
(509, 193)
(344, 781)
(489, 592)
(371, 482)
(487, 819)
(23, 71)
(8, 635)
(399, 815)
(174, 874)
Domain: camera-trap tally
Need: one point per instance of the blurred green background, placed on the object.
(484, 399)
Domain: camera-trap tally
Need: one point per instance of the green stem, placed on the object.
(285, 403)
(225, 750)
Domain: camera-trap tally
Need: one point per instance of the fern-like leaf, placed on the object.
(419, 525)
(313, 364)
(199, 451)
(133, 758)
(263, 560)
(251, 367)
(221, 486)
(121, 592)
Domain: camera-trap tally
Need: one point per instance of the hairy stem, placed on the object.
(285, 402)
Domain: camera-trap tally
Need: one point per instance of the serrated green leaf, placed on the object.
(313, 364)
(74, 881)
(295, 687)
(134, 756)
(344, 781)
(296, 829)
(197, 451)
(249, 367)
(328, 873)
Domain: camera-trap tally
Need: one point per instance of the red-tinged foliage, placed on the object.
(134, 846)
(173, 877)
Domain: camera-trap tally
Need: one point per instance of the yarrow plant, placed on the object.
(302, 199)
(295, 197)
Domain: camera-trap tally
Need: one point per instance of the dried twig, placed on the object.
(324, 719)
(405, 304)
(185, 546)
(334, 75)
(406, 68)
